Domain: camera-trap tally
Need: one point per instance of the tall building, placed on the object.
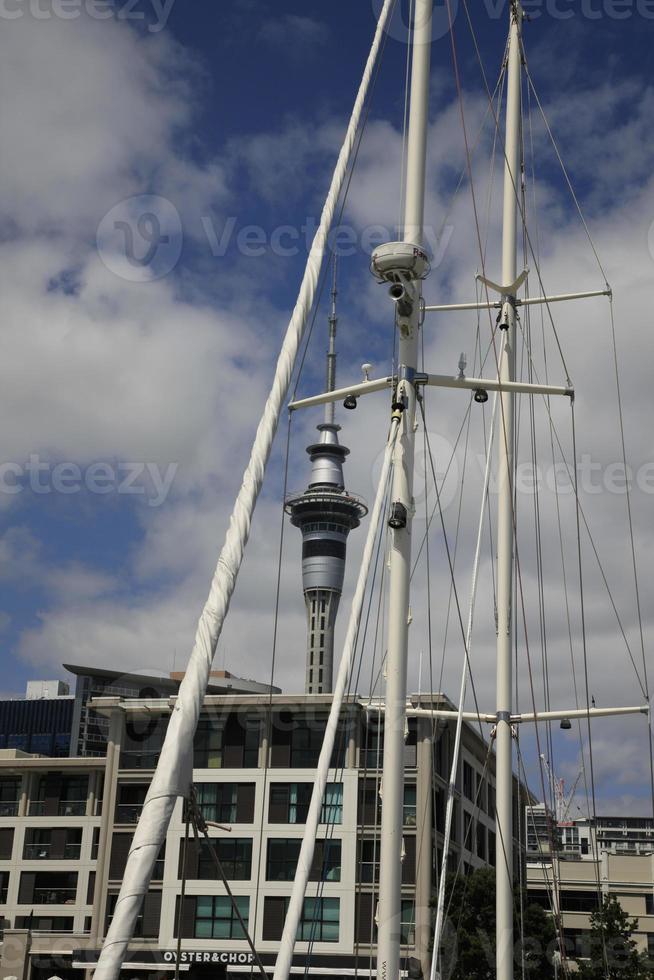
(325, 513)
(50, 721)
(41, 722)
(66, 828)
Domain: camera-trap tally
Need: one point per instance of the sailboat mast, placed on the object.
(390, 880)
(505, 528)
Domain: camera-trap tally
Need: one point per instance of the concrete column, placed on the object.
(24, 794)
(15, 954)
(424, 839)
(106, 827)
(90, 799)
(353, 743)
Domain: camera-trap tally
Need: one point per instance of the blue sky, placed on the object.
(132, 388)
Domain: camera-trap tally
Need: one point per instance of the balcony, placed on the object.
(72, 808)
(54, 896)
(43, 852)
(128, 813)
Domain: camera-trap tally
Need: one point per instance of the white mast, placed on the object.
(505, 526)
(390, 879)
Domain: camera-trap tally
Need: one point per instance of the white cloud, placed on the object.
(110, 369)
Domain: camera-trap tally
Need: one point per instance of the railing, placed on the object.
(36, 852)
(54, 896)
(43, 852)
(139, 760)
(65, 808)
(128, 812)
(72, 808)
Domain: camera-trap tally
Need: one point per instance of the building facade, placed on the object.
(62, 859)
(573, 864)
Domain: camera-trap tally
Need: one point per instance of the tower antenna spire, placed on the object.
(325, 513)
(331, 351)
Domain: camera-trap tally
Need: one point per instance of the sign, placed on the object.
(232, 958)
(223, 957)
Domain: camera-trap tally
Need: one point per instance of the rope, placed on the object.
(173, 774)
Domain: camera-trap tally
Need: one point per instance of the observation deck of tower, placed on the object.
(325, 513)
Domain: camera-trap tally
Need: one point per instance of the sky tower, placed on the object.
(325, 513)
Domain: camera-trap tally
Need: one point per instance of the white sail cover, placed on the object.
(173, 775)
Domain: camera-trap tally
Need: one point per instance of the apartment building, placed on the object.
(572, 864)
(67, 826)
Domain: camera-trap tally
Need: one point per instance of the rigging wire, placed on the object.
(632, 544)
(582, 609)
(275, 635)
(464, 674)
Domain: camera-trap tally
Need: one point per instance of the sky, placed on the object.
(163, 165)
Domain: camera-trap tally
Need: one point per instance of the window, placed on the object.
(480, 848)
(283, 856)
(649, 903)
(577, 901)
(306, 743)
(469, 781)
(408, 923)
(251, 746)
(369, 803)
(208, 745)
(215, 917)
(366, 927)
(63, 843)
(369, 860)
(332, 807)
(235, 857)
(142, 743)
(372, 749)
(289, 803)
(45, 923)
(131, 797)
(467, 830)
(47, 888)
(95, 844)
(282, 859)
(4, 885)
(410, 805)
(480, 792)
(9, 796)
(217, 801)
(74, 791)
(319, 922)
